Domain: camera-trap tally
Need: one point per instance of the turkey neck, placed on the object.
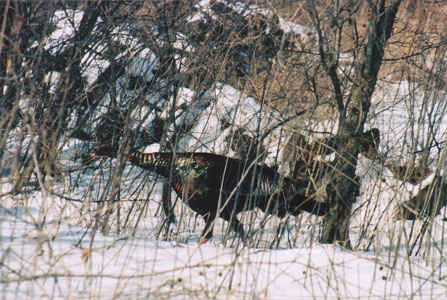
(166, 164)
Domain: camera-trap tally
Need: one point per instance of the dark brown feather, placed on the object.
(218, 186)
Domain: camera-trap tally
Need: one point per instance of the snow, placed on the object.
(229, 106)
(67, 22)
(50, 250)
(54, 263)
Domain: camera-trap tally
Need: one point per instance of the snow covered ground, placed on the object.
(60, 260)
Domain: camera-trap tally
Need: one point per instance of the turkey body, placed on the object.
(218, 186)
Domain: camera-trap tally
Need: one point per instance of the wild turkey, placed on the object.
(305, 160)
(427, 203)
(215, 185)
(368, 141)
(409, 173)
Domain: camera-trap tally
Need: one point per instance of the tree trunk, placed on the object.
(343, 187)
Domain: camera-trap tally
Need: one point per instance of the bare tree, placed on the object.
(352, 97)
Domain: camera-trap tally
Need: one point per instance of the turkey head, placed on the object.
(106, 151)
